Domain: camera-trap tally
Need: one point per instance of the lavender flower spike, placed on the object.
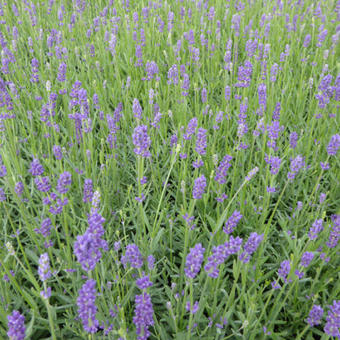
(44, 267)
(86, 306)
(199, 186)
(142, 141)
(315, 316)
(16, 326)
(143, 318)
(333, 320)
(194, 261)
(250, 247)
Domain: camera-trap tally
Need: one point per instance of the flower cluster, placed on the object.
(86, 306)
(194, 261)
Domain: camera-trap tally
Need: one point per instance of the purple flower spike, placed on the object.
(142, 141)
(199, 186)
(315, 316)
(143, 318)
(315, 229)
(144, 282)
(44, 267)
(63, 182)
(86, 306)
(194, 261)
(250, 247)
(36, 168)
(333, 145)
(333, 320)
(306, 259)
(201, 141)
(16, 326)
(133, 256)
(284, 269)
(232, 222)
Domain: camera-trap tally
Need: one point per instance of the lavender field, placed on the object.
(169, 169)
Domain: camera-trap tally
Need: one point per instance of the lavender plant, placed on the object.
(169, 169)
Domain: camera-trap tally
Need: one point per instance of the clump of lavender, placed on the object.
(199, 186)
(133, 256)
(232, 222)
(16, 326)
(143, 318)
(333, 320)
(86, 306)
(250, 247)
(142, 141)
(315, 316)
(194, 261)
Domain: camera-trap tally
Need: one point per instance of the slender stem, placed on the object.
(49, 312)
